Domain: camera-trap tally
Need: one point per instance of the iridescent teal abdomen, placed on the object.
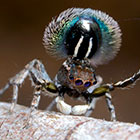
(83, 33)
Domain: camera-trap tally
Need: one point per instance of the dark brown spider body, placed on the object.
(76, 75)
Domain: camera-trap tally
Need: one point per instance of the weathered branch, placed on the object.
(56, 126)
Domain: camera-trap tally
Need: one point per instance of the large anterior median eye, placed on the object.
(83, 33)
(87, 84)
(78, 82)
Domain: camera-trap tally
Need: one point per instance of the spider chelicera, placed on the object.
(86, 38)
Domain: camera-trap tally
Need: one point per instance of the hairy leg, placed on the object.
(110, 106)
(92, 107)
(15, 96)
(129, 81)
(39, 77)
(50, 106)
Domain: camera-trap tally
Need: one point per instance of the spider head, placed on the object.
(77, 74)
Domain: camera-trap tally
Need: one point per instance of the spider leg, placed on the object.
(110, 106)
(35, 100)
(39, 77)
(4, 88)
(34, 106)
(105, 88)
(128, 81)
(92, 107)
(15, 96)
(20, 77)
(47, 88)
(50, 106)
(120, 84)
(15, 82)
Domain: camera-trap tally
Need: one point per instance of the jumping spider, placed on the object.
(86, 38)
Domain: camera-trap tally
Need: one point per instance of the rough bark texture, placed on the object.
(56, 126)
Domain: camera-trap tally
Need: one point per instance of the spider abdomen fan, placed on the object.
(83, 33)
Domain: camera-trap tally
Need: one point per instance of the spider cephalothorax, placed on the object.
(77, 74)
(86, 38)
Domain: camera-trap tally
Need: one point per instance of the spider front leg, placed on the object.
(128, 81)
(110, 106)
(92, 107)
(39, 77)
(107, 88)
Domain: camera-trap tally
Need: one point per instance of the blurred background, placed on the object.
(22, 24)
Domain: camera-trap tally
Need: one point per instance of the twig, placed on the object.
(56, 126)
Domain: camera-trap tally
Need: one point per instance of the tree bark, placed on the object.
(56, 126)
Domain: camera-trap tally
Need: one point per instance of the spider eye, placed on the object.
(79, 82)
(71, 77)
(94, 82)
(87, 84)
